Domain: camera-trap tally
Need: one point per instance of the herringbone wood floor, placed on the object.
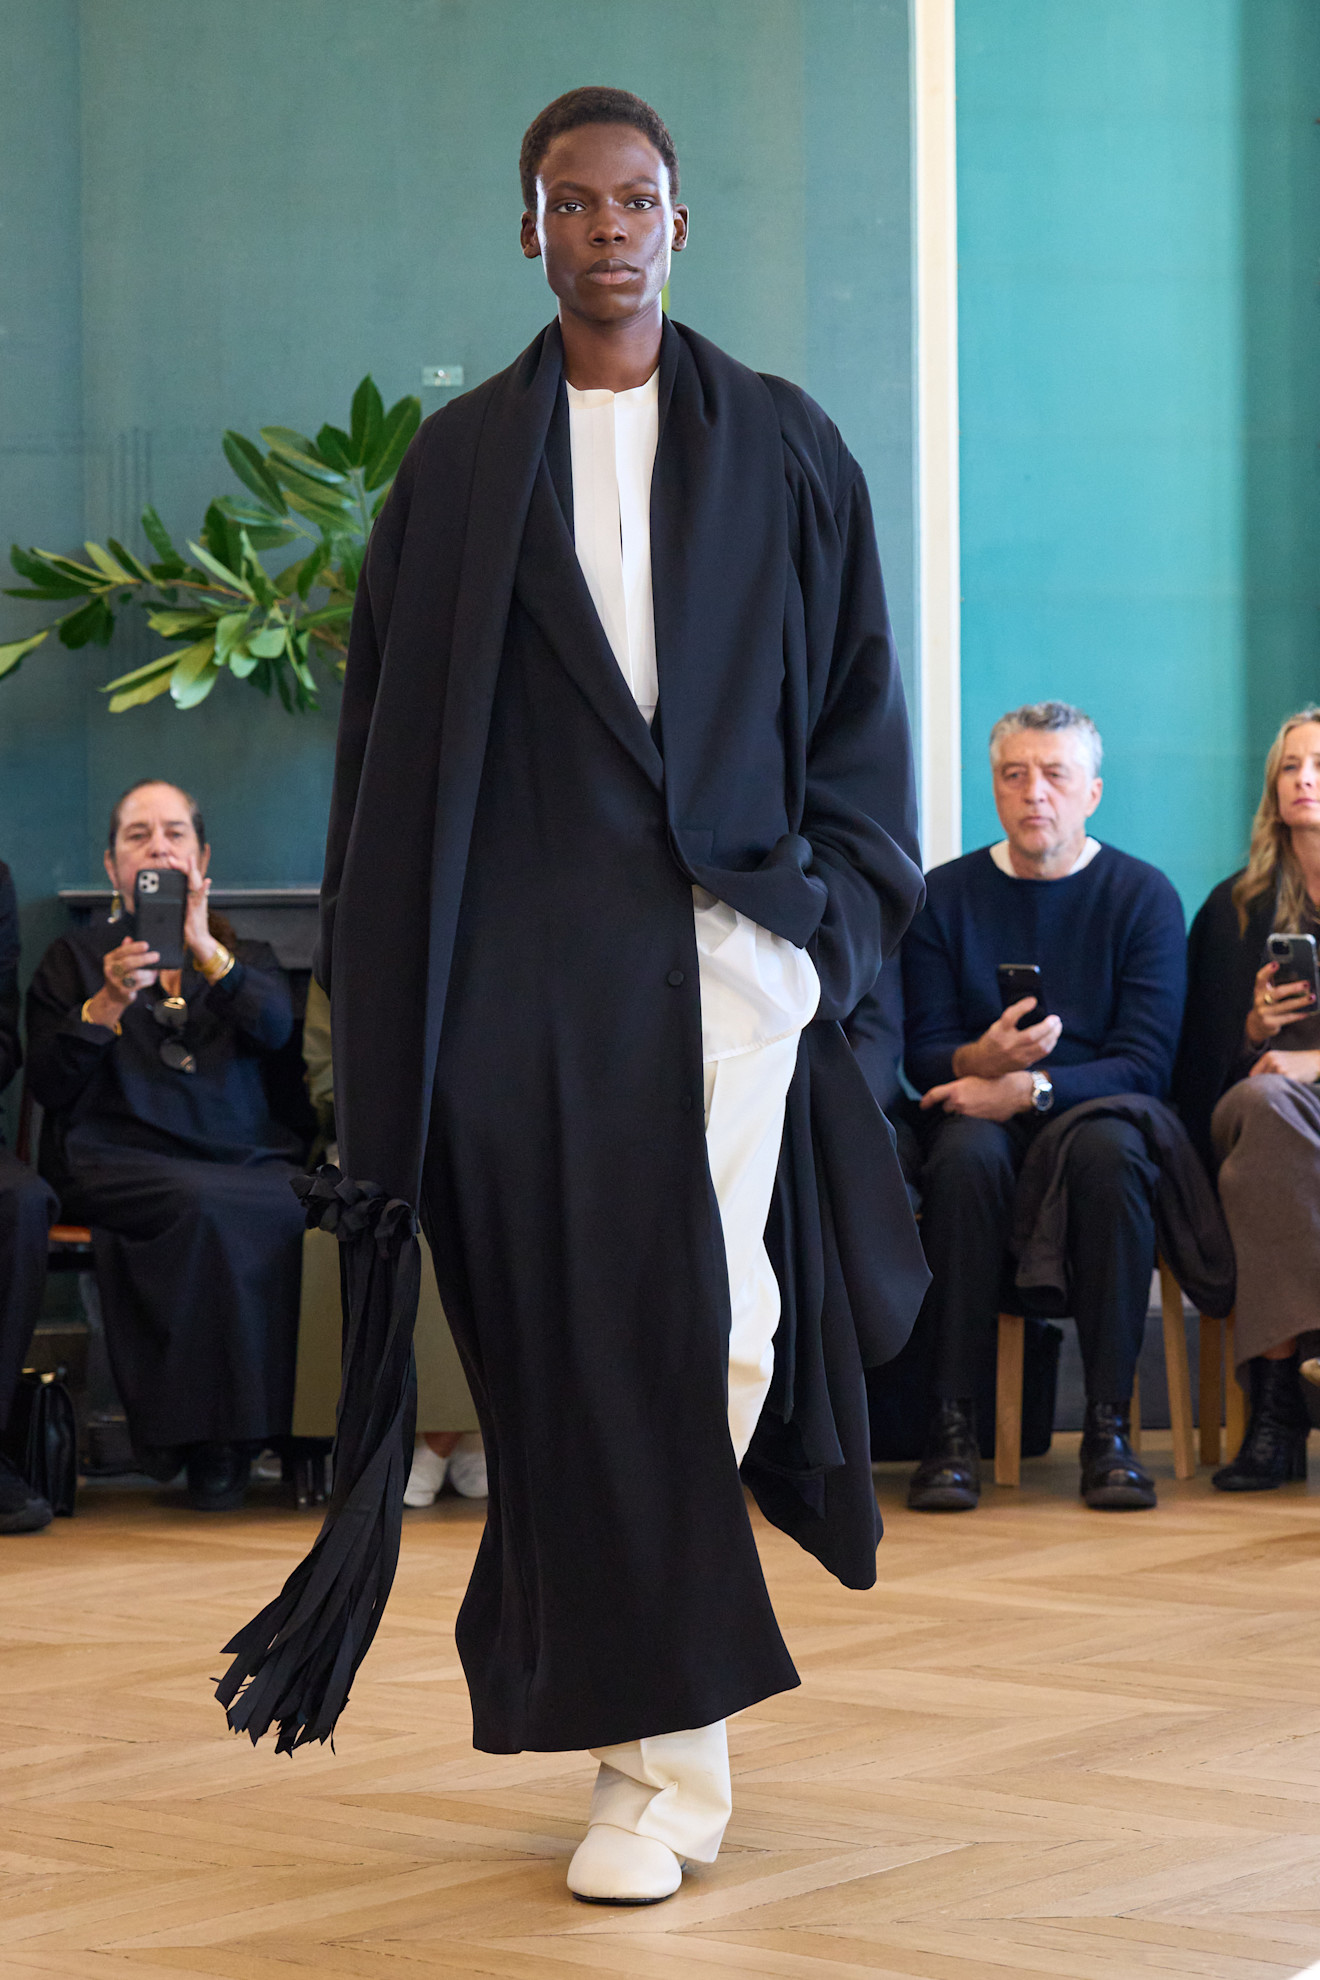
(1049, 1743)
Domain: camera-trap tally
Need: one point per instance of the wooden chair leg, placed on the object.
(1235, 1401)
(1211, 1387)
(1178, 1374)
(1008, 1399)
(1135, 1423)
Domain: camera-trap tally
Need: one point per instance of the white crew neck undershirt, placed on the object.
(1000, 855)
(755, 987)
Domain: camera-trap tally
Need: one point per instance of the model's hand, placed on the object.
(1304, 1067)
(983, 1099)
(198, 939)
(127, 970)
(1272, 1009)
(1005, 1049)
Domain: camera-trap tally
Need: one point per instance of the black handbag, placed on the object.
(41, 1439)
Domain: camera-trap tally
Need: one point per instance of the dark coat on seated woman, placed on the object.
(27, 1204)
(184, 1178)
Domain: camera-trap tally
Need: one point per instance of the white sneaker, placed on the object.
(615, 1866)
(467, 1467)
(426, 1477)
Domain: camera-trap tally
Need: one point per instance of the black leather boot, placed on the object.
(1273, 1451)
(948, 1479)
(217, 1477)
(1113, 1476)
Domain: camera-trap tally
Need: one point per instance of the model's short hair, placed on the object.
(1048, 715)
(593, 104)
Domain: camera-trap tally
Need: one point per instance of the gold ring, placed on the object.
(1269, 996)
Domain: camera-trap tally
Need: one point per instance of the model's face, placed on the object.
(155, 829)
(1044, 790)
(604, 224)
(1298, 785)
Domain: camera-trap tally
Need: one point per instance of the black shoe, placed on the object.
(1273, 1451)
(21, 1509)
(163, 1462)
(217, 1477)
(1113, 1477)
(948, 1479)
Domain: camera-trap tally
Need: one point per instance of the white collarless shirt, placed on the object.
(755, 987)
(1003, 859)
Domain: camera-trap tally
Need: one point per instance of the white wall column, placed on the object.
(936, 287)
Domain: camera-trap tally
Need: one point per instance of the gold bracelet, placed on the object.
(219, 966)
(118, 1029)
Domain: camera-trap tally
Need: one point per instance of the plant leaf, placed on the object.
(329, 615)
(16, 652)
(228, 632)
(107, 565)
(191, 671)
(93, 621)
(397, 429)
(130, 562)
(334, 445)
(219, 570)
(134, 697)
(164, 663)
(171, 624)
(269, 643)
(50, 582)
(368, 413)
(286, 445)
(158, 536)
(251, 470)
(242, 663)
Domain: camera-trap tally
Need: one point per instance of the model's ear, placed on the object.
(531, 245)
(680, 229)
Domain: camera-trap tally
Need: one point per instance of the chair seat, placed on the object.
(70, 1234)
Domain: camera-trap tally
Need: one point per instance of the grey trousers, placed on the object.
(1266, 1132)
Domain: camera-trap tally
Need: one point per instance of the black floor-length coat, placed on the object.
(184, 1180)
(508, 942)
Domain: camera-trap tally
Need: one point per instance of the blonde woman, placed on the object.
(1248, 1084)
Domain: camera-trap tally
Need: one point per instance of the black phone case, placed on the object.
(158, 912)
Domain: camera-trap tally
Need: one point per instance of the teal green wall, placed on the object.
(228, 212)
(1139, 216)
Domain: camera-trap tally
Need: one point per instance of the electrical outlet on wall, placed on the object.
(442, 374)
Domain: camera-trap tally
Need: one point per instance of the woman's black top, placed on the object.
(1222, 962)
(102, 1092)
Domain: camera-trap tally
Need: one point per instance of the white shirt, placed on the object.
(755, 986)
(1002, 859)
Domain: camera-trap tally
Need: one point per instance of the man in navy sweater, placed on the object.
(1106, 932)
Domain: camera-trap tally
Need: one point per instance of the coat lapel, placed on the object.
(551, 586)
(719, 556)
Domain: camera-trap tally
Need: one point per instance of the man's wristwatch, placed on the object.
(1042, 1092)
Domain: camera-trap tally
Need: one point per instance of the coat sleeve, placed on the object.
(366, 646)
(63, 1052)
(860, 812)
(1212, 1052)
(254, 998)
(11, 1055)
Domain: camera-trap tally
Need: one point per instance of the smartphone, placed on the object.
(1295, 955)
(1019, 980)
(160, 900)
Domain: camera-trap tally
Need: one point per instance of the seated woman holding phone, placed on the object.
(1043, 971)
(147, 1033)
(1247, 1086)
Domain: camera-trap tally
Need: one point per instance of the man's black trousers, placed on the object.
(969, 1176)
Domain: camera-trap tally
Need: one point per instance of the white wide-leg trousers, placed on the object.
(675, 1787)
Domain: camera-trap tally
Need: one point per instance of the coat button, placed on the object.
(674, 978)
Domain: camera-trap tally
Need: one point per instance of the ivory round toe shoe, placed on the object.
(426, 1476)
(614, 1866)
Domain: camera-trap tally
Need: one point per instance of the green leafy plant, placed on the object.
(219, 608)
